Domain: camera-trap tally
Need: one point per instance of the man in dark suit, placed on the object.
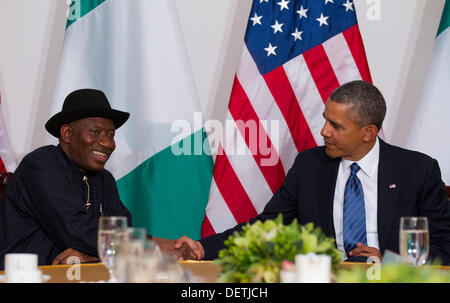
(53, 202)
(356, 187)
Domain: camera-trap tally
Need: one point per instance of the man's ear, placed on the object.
(65, 133)
(371, 132)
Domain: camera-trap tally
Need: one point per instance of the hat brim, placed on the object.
(53, 125)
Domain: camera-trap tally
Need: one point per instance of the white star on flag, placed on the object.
(348, 5)
(322, 19)
(302, 12)
(297, 35)
(277, 27)
(326, 1)
(270, 50)
(256, 19)
(261, 1)
(283, 4)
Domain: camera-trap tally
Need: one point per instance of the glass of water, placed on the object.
(110, 229)
(414, 240)
(128, 265)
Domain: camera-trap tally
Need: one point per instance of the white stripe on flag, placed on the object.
(245, 167)
(265, 106)
(341, 59)
(308, 96)
(217, 210)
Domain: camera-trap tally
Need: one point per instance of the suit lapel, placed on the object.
(388, 182)
(326, 183)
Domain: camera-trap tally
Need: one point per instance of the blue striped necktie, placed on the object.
(354, 211)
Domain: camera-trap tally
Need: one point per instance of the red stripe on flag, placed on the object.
(321, 71)
(2, 166)
(356, 45)
(207, 228)
(241, 109)
(284, 95)
(231, 189)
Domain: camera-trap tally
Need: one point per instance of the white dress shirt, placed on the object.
(368, 175)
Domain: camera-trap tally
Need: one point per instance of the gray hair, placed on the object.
(365, 100)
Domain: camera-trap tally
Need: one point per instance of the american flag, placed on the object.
(295, 54)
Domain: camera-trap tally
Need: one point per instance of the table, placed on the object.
(204, 271)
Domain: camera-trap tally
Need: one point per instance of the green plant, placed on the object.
(396, 273)
(256, 253)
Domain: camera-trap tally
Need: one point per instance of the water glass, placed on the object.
(129, 255)
(110, 229)
(414, 240)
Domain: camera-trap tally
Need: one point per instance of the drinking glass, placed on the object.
(414, 240)
(136, 234)
(110, 229)
(169, 271)
(129, 254)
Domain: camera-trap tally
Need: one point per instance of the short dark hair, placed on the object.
(366, 101)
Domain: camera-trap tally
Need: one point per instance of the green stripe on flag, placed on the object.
(167, 194)
(445, 20)
(79, 8)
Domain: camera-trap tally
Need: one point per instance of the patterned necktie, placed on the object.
(354, 211)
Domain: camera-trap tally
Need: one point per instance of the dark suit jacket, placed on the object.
(308, 194)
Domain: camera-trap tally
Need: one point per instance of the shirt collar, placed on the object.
(369, 163)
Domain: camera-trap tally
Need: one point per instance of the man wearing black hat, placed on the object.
(53, 202)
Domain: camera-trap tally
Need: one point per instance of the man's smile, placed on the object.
(101, 156)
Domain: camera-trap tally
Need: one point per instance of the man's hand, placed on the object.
(193, 250)
(181, 251)
(165, 245)
(70, 252)
(365, 251)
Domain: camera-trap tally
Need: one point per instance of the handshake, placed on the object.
(184, 248)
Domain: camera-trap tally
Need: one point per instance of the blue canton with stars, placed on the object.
(279, 30)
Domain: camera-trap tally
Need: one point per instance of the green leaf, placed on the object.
(270, 246)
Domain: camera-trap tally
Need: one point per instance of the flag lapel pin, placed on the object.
(392, 186)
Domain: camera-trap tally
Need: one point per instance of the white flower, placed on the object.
(270, 234)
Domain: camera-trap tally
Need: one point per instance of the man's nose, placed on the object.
(325, 132)
(107, 142)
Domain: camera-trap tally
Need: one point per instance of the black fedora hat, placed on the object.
(85, 103)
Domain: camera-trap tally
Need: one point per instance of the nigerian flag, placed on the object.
(134, 52)
(431, 126)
